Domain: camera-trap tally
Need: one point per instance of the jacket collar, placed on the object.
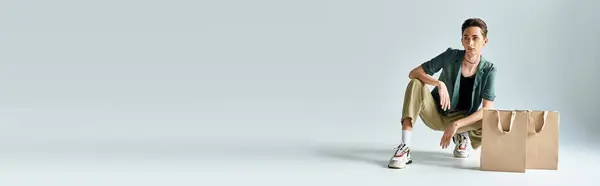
(480, 66)
(458, 70)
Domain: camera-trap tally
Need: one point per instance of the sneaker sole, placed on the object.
(461, 156)
(409, 162)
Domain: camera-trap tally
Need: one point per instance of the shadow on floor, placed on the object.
(380, 157)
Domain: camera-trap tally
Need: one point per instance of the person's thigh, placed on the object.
(431, 115)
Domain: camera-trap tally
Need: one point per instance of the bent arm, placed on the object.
(419, 73)
(476, 116)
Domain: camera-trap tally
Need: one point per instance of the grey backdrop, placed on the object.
(188, 79)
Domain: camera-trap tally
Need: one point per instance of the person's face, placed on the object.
(473, 41)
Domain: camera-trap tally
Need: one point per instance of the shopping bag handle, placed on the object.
(543, 123)
(512, 120)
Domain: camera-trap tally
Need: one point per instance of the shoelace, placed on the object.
(398, 149)
(462, 141)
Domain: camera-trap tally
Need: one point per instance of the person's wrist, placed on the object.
(439, 83)
(456, 124)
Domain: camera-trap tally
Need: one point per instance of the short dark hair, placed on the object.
(475, 22)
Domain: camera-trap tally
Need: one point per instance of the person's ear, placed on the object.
(485, 41)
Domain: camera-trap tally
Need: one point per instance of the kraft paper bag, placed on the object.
(542, 140)
(504, 140)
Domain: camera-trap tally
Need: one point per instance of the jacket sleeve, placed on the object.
(489, 92)
(435, 64)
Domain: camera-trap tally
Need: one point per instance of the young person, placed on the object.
(464, 87)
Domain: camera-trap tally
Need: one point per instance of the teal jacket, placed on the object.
(450, 63)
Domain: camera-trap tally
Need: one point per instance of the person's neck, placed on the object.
(471, 61)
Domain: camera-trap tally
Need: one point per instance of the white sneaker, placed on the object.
(401, 157)
(461, 142)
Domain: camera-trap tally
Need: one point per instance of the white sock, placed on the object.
(406, 134)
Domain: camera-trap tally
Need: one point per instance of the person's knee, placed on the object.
(415, 80)
(415, 83)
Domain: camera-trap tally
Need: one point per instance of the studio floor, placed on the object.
(269, 163)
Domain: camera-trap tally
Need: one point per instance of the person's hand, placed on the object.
(448, 134)
(444, 97)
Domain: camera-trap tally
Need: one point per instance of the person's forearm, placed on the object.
(476, 116)
(420, 74)
(471, 119)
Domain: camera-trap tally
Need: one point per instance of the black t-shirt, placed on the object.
(465, 91)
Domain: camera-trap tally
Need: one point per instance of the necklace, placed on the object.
(469, 61)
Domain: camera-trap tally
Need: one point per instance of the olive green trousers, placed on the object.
(418, 101)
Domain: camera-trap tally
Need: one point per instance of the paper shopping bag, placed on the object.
(504, 135)
(542, 140)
